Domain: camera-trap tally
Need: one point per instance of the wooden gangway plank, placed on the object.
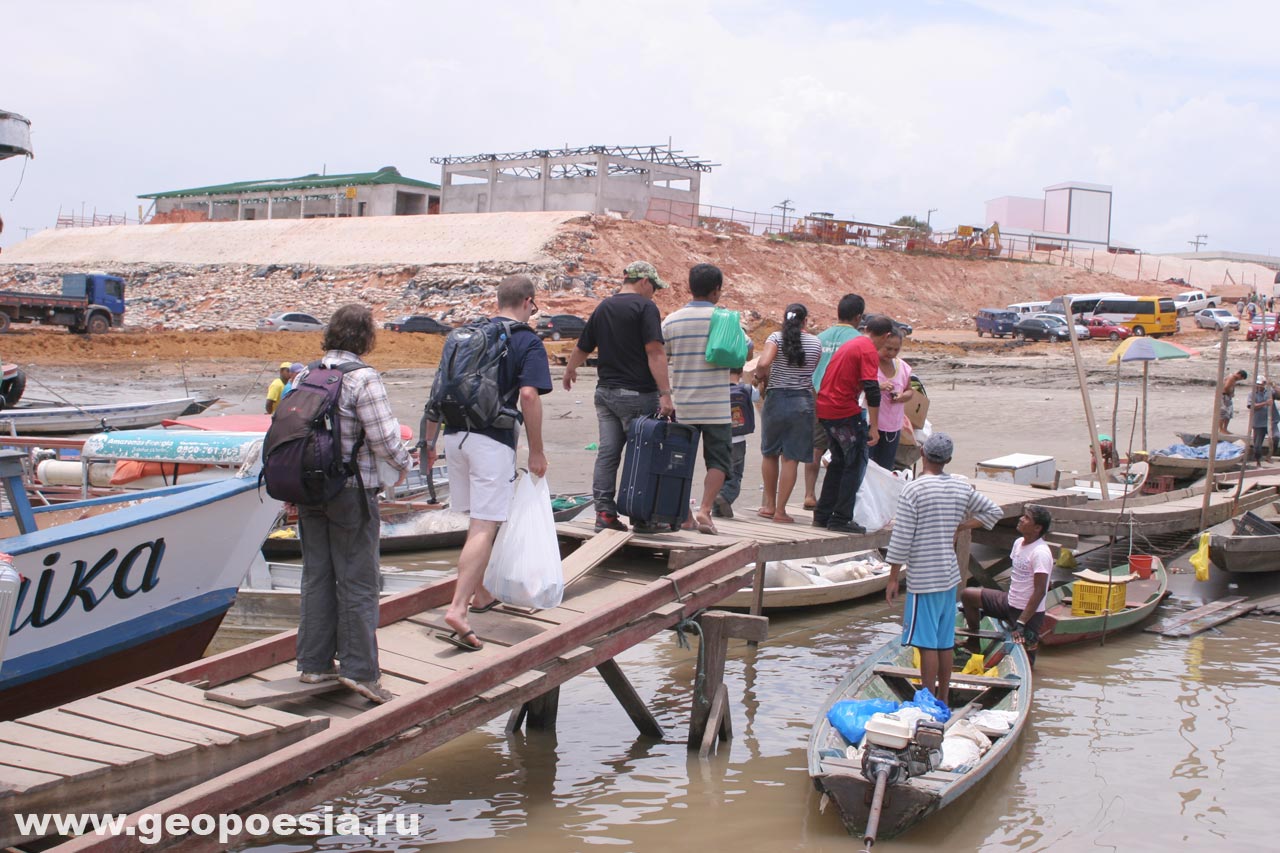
(1204, 617)
(361, 741)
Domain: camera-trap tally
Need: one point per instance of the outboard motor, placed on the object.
(893, 753)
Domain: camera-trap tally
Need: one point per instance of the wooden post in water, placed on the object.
(1146, 365)
(710, 717)
(1115, 412)
(757, 591)
(1099, 463)
(1213, 433)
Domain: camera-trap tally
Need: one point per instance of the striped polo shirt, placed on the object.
(700, 390)
(930, 509)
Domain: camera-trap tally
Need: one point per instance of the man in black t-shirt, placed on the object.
(632, 375)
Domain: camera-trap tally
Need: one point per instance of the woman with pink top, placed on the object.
(895, 391)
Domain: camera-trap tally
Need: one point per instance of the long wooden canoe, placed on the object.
(812, 595)
(1169, 512)
(54, 420)
(1142, 597)
(884, 675)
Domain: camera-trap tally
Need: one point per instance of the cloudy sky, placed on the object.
(867, 110)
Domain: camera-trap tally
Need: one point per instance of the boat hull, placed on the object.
(1245, 554)
(793, 597)
(144, 569)
(1061, 628)
(55, 420)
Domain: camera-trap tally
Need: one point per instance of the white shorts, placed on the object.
(481, 475)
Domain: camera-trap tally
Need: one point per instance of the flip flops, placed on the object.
(453, 638)
(486, 608)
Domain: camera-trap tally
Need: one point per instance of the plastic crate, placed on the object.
(1090, 599)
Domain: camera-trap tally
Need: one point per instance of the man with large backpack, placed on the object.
(485, 370)
(338, 523)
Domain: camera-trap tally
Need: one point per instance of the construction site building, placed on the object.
(636, 182)
(1070, 213)
(382, 193)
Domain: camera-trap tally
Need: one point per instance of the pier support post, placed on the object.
(757, 592)
(710, 717)
(539, 713)
(629, 699)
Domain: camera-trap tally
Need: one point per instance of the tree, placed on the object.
(911, 222)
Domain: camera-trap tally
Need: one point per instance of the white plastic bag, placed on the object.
(524, 569)
(877, 498)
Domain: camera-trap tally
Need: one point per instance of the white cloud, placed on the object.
(873, 113)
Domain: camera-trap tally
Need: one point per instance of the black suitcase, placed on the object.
(657, 471)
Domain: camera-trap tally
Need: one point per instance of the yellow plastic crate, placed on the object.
(1089, 599)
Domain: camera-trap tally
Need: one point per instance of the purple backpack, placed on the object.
(302, 453)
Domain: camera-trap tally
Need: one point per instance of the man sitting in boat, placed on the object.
(932, 509)
(1023, 605)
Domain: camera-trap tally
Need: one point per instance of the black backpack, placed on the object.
(302, 453)
(466, 393)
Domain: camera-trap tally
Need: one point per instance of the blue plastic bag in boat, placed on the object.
(849, 716)
(927, 702)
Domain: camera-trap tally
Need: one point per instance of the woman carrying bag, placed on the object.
(895, 391)
(787, 364)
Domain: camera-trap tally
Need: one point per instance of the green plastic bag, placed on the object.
(726, 342)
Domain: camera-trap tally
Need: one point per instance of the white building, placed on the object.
(1070, 213)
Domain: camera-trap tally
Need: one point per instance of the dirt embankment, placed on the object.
(579, 266)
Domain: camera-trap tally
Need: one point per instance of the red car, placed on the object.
(1255, 328)
(1100, 328)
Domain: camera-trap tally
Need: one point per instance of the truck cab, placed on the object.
(99, 289)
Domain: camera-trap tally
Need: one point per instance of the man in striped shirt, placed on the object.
(701, 389)
(931, 510)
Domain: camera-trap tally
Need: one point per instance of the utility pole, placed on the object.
(929, 216)
(784, 206)
(26, 231)
(1200, 240)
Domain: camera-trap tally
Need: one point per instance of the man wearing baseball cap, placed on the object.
(1261, 399)
(931, 510)
(276, 389)
(632, 378)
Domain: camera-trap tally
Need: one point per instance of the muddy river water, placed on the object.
(1143, 743)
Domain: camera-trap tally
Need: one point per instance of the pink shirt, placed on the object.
(1028, 561)
(891, 414)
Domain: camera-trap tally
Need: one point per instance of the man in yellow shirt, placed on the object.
(276, 389)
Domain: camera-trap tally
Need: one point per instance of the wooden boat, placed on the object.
(1248, 544)
(290, 546)
(1183, 470)
(1167, 512)
(887, 674)
(121, 586)
(93, 417)
(1142, 597)
(812, 595)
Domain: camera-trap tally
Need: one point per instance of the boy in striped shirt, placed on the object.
(931, 510)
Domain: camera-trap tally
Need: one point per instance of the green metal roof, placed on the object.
(385, 175)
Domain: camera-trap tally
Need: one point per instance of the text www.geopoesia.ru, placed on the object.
(151, 828)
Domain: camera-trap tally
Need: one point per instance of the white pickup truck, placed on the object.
(1193, 301)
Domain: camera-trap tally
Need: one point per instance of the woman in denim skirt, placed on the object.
(787, 364)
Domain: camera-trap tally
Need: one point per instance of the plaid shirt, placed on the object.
(364, 404)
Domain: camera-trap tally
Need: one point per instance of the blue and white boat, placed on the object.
(116, 588)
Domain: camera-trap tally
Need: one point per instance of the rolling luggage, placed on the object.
(657, 471)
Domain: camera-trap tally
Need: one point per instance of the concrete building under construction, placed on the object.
(637, 182)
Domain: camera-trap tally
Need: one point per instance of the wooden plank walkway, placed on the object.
(800, 540)
(1158, 516)
(1204, 617)
(237, 732)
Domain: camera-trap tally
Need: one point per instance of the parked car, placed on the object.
(1037, 329)
(996, 322)
(290, 321)
(1255, 328)
(418, 323)
(1082, 331)
(1100, 328)
(1217, 318)
(557, 326)
(904, 328)
(1192, 301)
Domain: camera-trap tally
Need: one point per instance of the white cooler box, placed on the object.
(1021, 468)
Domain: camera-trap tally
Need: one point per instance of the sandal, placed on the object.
(486, 608)
(810, 503)
(460, 640)
(765, 513)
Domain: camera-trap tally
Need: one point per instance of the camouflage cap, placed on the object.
(938, 448)
(644, 269)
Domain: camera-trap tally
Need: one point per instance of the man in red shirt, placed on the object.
(852, 372)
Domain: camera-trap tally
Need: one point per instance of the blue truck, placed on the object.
(91, 303)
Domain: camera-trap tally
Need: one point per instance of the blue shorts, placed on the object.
(929, 620)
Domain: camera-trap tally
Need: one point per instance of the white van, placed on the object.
(1082, 304)
(1021, 308)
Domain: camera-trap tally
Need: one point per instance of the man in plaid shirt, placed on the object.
(340, 581)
